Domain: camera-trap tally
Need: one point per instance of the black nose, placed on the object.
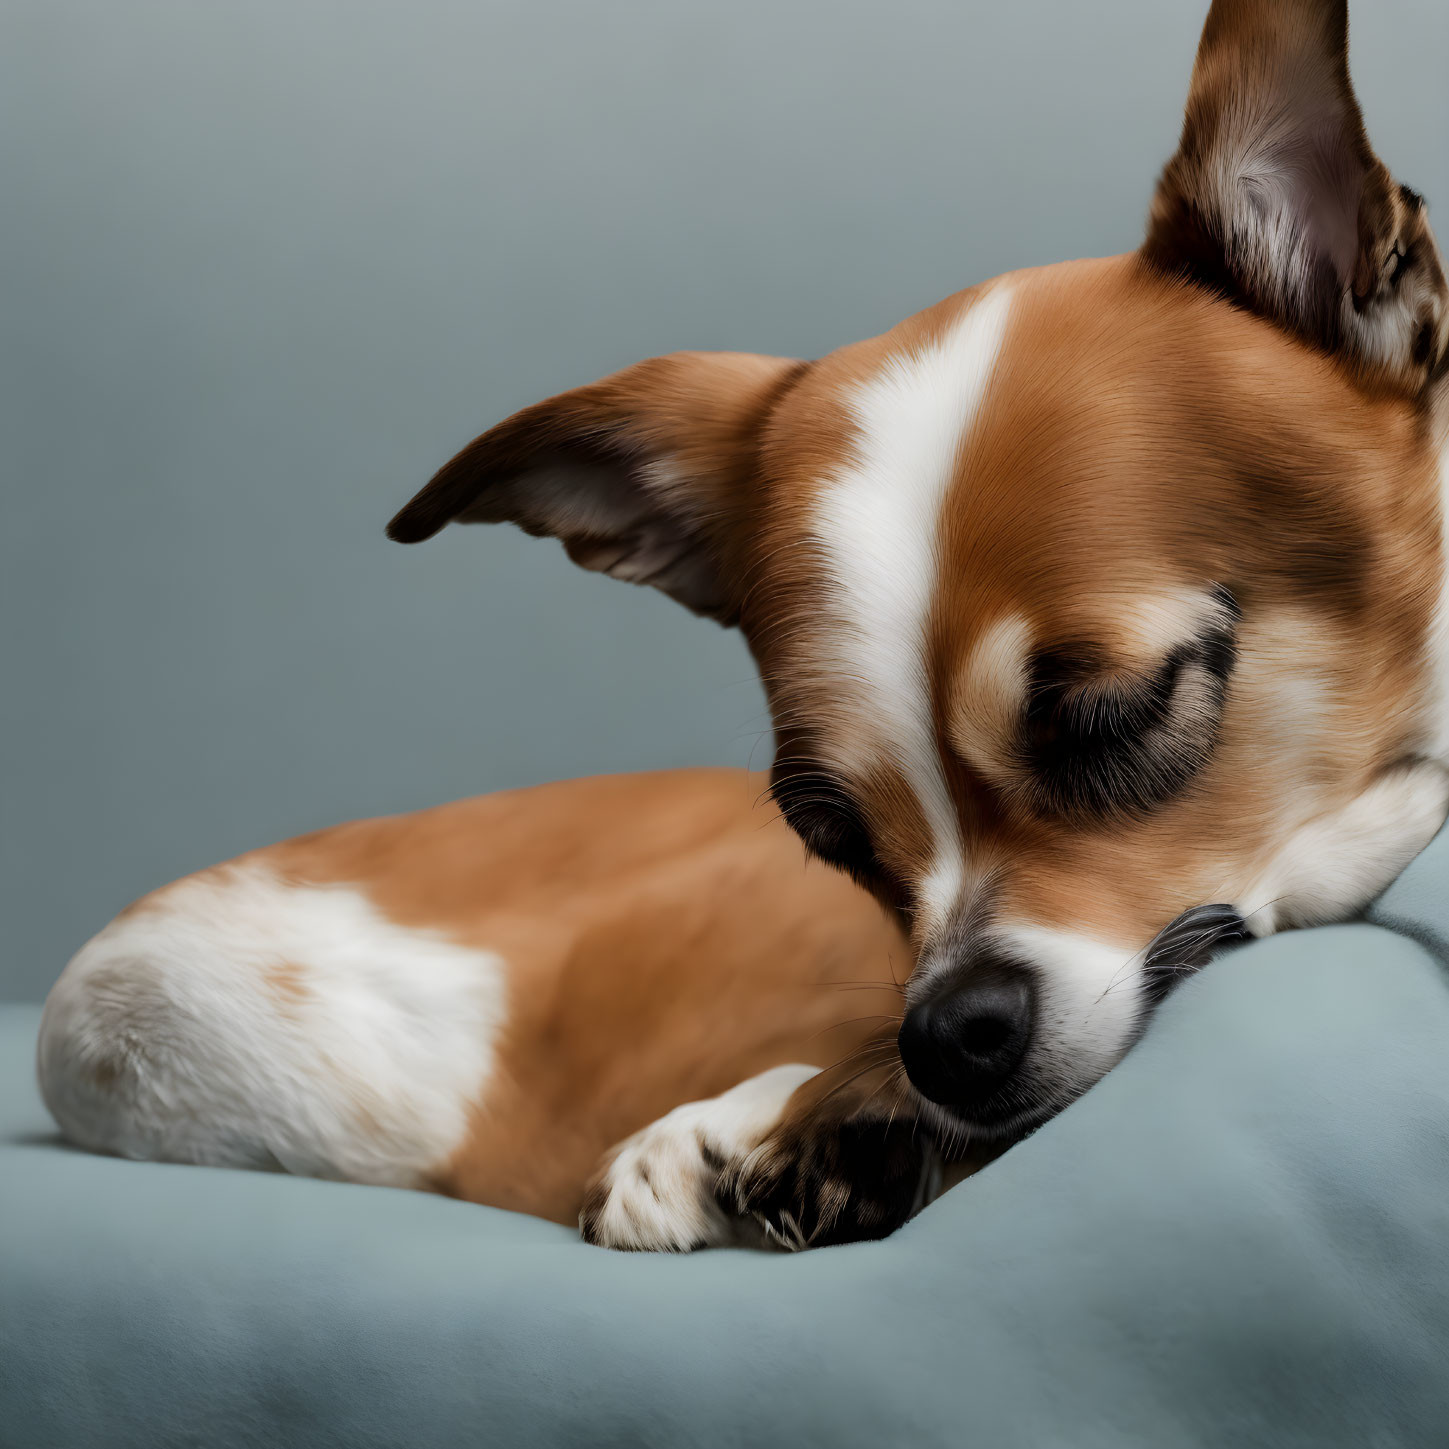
(961, 1046)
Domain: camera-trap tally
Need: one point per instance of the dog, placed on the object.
(1103, 618)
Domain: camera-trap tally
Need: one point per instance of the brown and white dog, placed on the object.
(1103, 616)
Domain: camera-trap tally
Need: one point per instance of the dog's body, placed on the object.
(1103, 614)
(480, 998)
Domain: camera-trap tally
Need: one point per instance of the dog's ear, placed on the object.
(645, 475)
(1276, 199)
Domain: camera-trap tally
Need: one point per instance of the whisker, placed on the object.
(894, 1081)
(855, 1076)
(886, 1049)
(849, 1021)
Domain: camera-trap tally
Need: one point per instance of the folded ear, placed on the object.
(1276, 199)
(647, 475)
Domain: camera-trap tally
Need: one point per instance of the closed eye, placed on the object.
(1096, 742)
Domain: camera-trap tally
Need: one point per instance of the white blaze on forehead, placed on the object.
(877, 524)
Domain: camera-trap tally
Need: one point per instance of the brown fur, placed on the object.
(1308, 498)
(664, 936)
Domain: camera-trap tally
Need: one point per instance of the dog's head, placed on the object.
(1096, 606)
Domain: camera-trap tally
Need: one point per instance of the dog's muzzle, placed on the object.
(965, 1044)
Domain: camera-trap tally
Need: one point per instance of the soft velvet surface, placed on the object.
(1240, 1237)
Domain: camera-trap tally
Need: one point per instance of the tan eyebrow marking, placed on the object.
(1143, 628)
(988, 698)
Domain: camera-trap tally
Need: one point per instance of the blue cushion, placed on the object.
(1241, 1236)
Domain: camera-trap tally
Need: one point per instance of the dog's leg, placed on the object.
(793, 1158)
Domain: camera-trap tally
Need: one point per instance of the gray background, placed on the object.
(267, 264)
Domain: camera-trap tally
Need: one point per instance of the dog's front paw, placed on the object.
(656, 1195)
(818, 1182)
(660, 1190)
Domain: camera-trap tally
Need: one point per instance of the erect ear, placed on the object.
(1276, 199)
(647, 475)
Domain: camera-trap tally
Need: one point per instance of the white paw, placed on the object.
(656, 1192)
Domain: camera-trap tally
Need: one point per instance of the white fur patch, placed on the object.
(877, 525)
(659, 1190)
(240, 1020)
(1089, 1006)
(1335, 864)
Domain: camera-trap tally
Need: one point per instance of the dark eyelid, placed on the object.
(1099, 748)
